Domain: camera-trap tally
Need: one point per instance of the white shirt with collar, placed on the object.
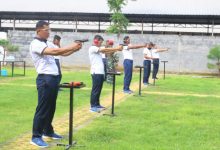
(55, 46)
(95, 57)
(147, 52)
(103, 54)
(44, 64)
(155, 54)
(127, 53)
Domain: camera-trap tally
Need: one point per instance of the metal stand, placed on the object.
(140, 67)
(113, 91)
(71, 86)
(13, 66)
(164, 68)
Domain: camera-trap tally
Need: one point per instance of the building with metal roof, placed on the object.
(145, 16)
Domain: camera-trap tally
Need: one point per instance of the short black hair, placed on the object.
(98, 37)
(56, 37)
(125, 38)
(41, 24)
(151, 43)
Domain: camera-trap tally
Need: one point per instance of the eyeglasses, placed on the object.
(46, 29)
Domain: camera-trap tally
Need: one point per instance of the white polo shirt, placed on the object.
(147, 52)
(55, 46)
(103, 56)
(95, 58)
(127, 53)
(44, 64)
(155, 54)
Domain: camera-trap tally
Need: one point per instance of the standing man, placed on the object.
(128, 63)
(156, 61)
(56, 42)
(97, 70)
(42, 53)
(112, 60)
(147, 63)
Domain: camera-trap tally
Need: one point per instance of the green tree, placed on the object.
(8, 46)
(214, 55)
(118, 19)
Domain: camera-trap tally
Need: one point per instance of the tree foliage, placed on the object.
(8, 46)
(214, 55)
(118, 19)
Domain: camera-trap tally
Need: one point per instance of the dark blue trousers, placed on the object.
(156, 63)
(128, 69)
(147, 70)
(47, 87)
(97, 83)
(59, 69)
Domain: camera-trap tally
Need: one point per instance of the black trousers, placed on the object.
(47, 87)
(97, 83)
(156, 63)
(104, 60)
(59, 69)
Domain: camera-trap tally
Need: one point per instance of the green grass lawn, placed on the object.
(18, 99)
(157, 120)
(161, 122)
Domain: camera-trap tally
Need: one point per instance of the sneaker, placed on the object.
(127, 91)
(38, 142)
(99, 106)
(131, 91)
(95, 109)
(53, 136)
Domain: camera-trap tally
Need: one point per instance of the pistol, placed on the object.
(123, 44)
(82, 40)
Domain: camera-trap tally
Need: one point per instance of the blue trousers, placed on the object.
(47, 87)
(156, 63)
(97, 83)
(147, 70)
(128, 68)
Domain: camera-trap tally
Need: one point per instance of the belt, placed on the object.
(50, 75)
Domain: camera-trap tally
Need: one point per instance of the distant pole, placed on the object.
(213, 27)
(152, 27)
(142, 27)
(14, 24)
(76, 26)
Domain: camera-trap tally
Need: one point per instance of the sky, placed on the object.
(198, 7)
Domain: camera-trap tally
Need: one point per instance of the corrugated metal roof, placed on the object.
(102, 17)
(171, 7)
